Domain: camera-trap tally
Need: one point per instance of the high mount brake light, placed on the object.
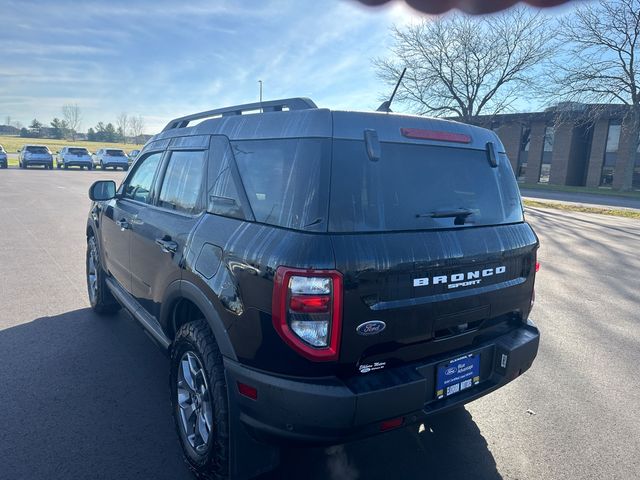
(307, 311)
(435, 135)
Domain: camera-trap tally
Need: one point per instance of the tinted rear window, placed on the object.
(286, 180)
(412, 182)
(115, 153)
(37, 150)
(78, 151)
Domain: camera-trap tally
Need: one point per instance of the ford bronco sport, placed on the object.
(316, 276)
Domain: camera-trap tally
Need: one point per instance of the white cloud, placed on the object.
(165, 59)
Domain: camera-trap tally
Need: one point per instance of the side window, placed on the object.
(182, 182)
(223, 197)
(138, 185)
(286, 180)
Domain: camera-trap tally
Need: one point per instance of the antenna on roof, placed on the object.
(386, 105)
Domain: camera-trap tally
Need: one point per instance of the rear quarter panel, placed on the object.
(242, 286)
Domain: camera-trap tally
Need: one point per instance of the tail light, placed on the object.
(307, 311)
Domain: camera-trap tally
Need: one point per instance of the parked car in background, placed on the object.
(4, 161)
(74, 157)
(133, 154)
(110, 158)
(30, 155)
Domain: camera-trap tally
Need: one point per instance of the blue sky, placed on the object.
(165, 58)
(162, 59)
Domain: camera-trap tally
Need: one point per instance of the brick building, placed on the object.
(572, 144)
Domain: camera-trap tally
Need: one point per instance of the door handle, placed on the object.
(167, 245)
(123, 224)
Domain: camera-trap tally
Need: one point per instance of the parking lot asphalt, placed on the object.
(86, 397)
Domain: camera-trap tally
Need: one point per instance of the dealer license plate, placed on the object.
(456, 375)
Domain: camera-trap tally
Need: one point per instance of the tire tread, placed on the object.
(197, 334)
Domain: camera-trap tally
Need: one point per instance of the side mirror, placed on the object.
(102, 190)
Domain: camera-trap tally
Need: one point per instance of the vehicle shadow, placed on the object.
(450, 447)
(85, 396)
(82, 397)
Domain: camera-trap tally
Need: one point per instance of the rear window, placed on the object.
(114, 153)
(78, 151)
(416, 187)
(37, 149)
(286, 180)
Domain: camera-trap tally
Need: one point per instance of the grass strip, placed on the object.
(615, 212)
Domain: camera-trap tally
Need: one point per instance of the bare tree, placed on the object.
(122, 123)
(464, 66)
(137, 126)
(601, 62)
(73, 118)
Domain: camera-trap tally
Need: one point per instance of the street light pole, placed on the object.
(260, 82)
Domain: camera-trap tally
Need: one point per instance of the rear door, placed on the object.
(120, 216)
(162, 231)
(431, 241)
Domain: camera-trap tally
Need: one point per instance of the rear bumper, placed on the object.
(115, 164)
(331, 410)
(77, 163)
(44, 163)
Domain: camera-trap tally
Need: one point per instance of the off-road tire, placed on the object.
(103, 302)
(196, 337)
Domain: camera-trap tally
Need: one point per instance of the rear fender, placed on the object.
(182, 289)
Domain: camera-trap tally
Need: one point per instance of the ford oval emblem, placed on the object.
(371, 328)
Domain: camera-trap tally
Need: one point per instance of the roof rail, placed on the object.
(269, 106)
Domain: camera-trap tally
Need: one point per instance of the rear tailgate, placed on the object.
(431, 240)
(431, 288)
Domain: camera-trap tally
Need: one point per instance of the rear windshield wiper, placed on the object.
(456, 213)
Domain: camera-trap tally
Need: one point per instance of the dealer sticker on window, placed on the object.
(457, 375)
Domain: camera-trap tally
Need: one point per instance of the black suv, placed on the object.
(316, 276)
